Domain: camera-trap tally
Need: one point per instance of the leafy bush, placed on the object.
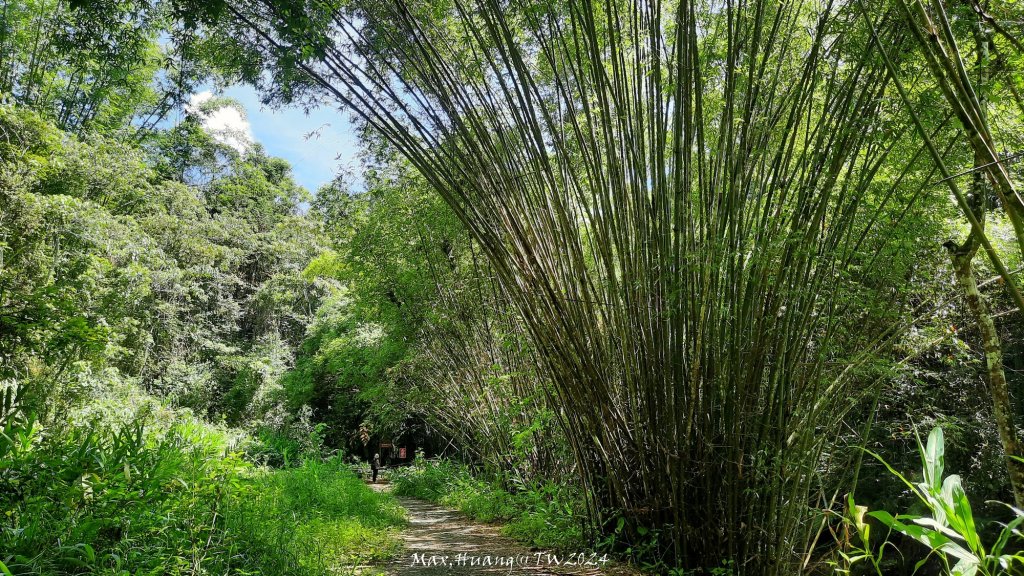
(949, 529)
(274, 448)
(481, 500)
(111, 496)
(427, 479)
(552, 517)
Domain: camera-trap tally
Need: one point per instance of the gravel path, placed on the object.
(441, 541)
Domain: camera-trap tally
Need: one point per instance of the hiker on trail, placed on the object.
(375, 465)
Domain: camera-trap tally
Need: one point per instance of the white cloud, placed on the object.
(197, 100)
(227, 123)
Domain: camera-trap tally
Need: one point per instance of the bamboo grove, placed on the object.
(672, 196)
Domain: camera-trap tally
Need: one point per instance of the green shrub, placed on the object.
(427, 479)
(481, 500)
(273, 448)
(551, 517)
(948, 530)
(111, 498)
(132, 487)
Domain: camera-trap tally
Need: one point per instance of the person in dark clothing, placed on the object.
(375, 466)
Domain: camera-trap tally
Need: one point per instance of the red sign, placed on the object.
(401, 453)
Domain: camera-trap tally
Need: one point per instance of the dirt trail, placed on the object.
(441, 541)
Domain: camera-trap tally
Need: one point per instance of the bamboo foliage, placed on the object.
(673, 196)
(85, 67)
(947, 67)
(485, 390)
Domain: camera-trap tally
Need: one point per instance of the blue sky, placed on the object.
(283, 132)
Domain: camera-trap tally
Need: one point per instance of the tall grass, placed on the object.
(154, 491)
(315, 518)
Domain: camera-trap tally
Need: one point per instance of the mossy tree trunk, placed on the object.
(961, 258)
(1001, 405)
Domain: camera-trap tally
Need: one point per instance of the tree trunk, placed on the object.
(961, 258)
(1001, 406)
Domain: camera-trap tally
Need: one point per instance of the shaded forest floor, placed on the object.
(443, 541)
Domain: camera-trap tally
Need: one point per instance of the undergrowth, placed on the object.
(316, 518)
(129, 486)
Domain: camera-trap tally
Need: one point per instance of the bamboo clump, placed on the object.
(674, 197)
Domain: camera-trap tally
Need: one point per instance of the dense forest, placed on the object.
(714, 287)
